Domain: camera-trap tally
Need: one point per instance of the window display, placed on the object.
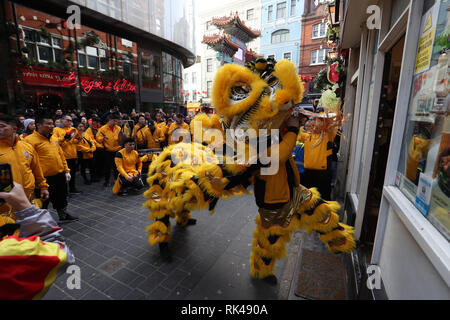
(425, 156)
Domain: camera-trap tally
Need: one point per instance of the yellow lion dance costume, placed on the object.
(190, 176)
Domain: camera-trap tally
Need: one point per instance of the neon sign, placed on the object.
(88, 85)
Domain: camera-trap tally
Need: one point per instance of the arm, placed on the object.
(37, 171)
(35, 222)
(159, 134)
(139, 163)
(63, 158)
(100, 136)
(119, 165)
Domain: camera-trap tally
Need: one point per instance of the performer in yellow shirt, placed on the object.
(87, 148)
(139, 133)
(53, 164)
(108, 136)
(129, 166)
(67, 138)
(181, 128)
(153, 136)
(24, 161)
(317, 159)
(91, 133)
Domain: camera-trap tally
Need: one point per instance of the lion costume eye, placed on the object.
(239, 93)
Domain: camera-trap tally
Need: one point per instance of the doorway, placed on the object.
(391, 78)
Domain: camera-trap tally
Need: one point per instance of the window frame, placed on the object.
(252, 11)
(293, 7)
(319, 35)
(317, 56)
(209, 65)
(270, 13)
(36, 44)
(280, 33)
(208, 88)
(281, 9)
(290, 55)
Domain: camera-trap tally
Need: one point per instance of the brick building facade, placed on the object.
(102, 64)
(313, 48)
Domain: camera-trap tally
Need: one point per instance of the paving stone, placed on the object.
(95, 295)
(135, 295)
(118, 291)
(179, 293)
(159, 293)
(174, 279)
(152, 282)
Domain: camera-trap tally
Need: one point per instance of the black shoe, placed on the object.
(122, 193)
(165, 252)
(75, 191)
(64, 217)
(191, 222)
(271, 280)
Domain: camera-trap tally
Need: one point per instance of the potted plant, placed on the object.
(44, 32)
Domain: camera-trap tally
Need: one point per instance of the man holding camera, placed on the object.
(23, 159)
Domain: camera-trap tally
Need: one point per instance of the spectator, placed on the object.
(29, 128)
(53, 164)
(35, 262)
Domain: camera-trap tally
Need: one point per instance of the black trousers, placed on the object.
(136, 183)
(58, 191)
(110, 165)
(87, 164)
(98, 171)
(320, 179)
(73, 166)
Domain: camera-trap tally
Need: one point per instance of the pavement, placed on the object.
(210, 259)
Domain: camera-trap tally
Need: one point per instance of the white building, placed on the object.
(199, 77)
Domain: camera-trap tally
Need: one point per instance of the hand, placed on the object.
(293, 122)
(68, 177)
(130, 179)
(16, 198)
(44, 194)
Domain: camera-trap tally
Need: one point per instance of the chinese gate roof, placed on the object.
(233, 25)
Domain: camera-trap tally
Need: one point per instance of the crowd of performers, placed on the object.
(46, 152)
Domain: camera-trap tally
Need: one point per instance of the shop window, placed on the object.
(424, 168)
(287, 55)
(280, 36)
(271, 56)
(319, 30)
(127, 69)
(281, 10)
